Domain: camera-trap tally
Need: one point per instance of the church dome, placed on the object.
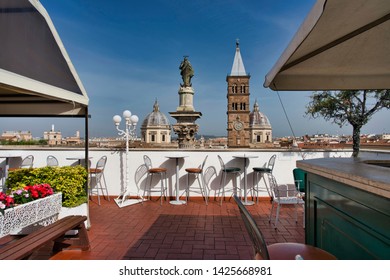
(257, 118)
(155, 118)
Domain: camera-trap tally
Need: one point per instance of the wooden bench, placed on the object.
(25, 246)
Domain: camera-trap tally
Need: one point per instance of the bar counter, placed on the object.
(348, 206)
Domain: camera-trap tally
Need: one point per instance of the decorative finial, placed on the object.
(256, 106)
(237, 43)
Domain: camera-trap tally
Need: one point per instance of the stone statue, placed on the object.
(186, 72)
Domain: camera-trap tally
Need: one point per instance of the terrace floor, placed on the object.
(185, 232)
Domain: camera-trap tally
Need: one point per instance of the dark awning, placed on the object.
(340, 45)
(37, 77)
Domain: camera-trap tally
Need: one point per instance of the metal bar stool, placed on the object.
(262, 171)
(27, 162)
(151, 171)
(235, 171)
(98, 174)
(51, 161)
(198, 172)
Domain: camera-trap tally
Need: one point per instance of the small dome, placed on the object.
(155, 118)
(257, 118)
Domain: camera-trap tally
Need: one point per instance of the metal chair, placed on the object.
(198, 172)
(151, 171)
(283, 194)
(27, 162)
(208, 174)
(98, 174)
(51, 161)
(235, 171)
(277, 251)
(268, 168)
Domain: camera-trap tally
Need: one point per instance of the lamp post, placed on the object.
(129, 133)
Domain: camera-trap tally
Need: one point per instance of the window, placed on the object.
(152, 138)
(234, 88)
(163, 137)
(258, 138)
(243, 88)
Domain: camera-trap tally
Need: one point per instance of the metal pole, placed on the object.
(127, 154)
(128, 134)
(87, 164)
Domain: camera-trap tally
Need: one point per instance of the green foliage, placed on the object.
(69, 180)
(40, 142)
(355, 107)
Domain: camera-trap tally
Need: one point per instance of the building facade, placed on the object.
(16, 136)
(73, 140)
(156, 128)
(238, 104)
(259, 126)
(53, 137)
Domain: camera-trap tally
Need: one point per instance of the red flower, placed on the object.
(34, 192)
(9, 201)
(2, 196)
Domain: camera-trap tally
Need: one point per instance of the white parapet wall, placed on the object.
(115, 172)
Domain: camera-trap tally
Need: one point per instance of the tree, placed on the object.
(355, 107)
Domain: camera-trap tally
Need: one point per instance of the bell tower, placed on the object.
(238, 103)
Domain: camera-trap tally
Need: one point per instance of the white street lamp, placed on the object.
(129, 134)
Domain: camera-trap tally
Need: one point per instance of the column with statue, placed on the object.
(185, 114)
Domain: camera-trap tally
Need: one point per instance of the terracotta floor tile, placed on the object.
(192, 231)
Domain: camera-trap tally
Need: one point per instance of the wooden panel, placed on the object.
(347, 222)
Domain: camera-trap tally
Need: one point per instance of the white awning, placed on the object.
(37, 76)
(341, 45)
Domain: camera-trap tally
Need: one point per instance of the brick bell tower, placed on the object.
(238, 108)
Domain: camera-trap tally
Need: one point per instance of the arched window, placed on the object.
(243, 88)
(234, 88)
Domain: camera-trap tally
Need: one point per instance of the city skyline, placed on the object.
(123, 51)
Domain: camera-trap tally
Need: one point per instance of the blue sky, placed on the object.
(127, 54)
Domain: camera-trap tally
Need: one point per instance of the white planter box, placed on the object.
(78, 210)
(22, 218)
